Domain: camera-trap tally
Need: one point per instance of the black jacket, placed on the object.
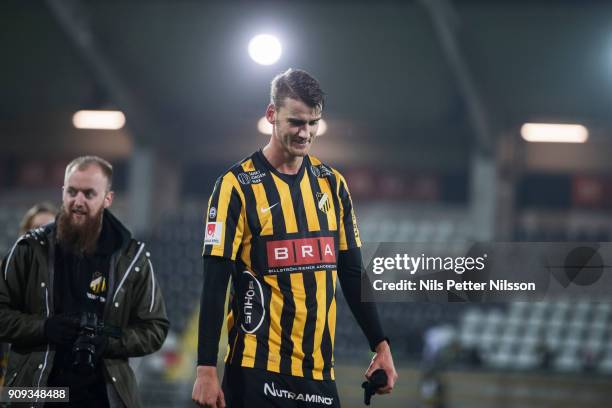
(134, 304)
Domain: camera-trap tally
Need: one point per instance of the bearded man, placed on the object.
(80, 272)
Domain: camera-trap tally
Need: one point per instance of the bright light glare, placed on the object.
(554, 133)
(265, 49)
(322, 128)
(98, 119)
(265, 127)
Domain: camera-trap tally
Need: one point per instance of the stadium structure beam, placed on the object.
(483, 178)
(72, 17)
(445, 20)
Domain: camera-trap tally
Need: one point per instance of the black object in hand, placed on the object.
(61, 329)
(377, 380)
(91, 343)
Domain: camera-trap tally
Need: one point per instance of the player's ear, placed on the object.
(271, 113)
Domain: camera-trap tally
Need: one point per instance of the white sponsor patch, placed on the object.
(272, 390)
(213, 234)
(253, 312)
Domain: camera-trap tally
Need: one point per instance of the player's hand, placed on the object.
(384, 360)
(206, 389)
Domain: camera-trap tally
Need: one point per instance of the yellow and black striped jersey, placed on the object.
(284, 234)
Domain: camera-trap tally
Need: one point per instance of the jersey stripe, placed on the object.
(275, 330)
(262, 352)
(310, 208)
(262, 205)
(277, 223)
(286, 204)
(233, 227)
(256, 199)
(310, 287)
(298, 204)
(286, 322)
(250, 347)
(299, 323)
(326, 342)
(320, 325)
(331, 320)
(232, 333)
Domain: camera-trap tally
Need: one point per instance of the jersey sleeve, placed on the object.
(348, 230)
(224, 219)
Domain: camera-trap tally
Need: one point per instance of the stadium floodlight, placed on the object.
(554, 133)
(265, 127)
(98, 119)
(265, 49)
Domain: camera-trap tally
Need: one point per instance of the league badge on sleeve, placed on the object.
(213, 233)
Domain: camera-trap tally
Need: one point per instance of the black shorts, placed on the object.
(252, 387)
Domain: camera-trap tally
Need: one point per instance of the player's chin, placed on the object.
(300, 151)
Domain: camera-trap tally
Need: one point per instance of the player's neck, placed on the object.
(281, 160)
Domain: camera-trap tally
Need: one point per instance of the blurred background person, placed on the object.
(38, 215)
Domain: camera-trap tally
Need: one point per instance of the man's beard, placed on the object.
(79, 239)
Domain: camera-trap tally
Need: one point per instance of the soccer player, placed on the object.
(282, 225)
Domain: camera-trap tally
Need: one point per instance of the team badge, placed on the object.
(323, 202)
(98, 284)
(212, 213)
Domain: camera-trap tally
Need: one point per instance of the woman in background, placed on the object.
(40, 214)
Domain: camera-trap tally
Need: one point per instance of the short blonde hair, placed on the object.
(83, 162)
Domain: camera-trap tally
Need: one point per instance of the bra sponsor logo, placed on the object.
(300, 252)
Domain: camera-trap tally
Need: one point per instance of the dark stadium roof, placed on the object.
(182, 69)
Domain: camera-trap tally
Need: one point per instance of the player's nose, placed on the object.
(304, 131)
